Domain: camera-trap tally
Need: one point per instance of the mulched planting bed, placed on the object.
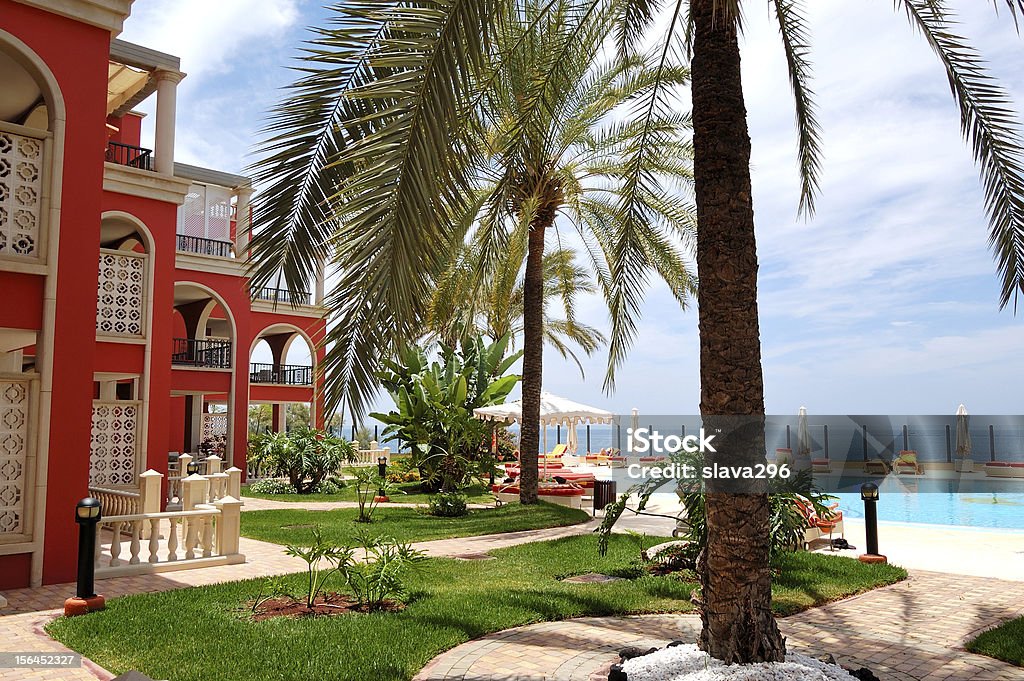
(327, 605)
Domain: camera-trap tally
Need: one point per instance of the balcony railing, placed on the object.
(204, 246)
(281, 295)
(281, 375)
(129, 155)
(209, 354)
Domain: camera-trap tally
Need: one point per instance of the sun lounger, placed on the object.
(819, 526)
(564, 495)
(907, 458)
(821, 466)
(876, 466)
(1004, 469)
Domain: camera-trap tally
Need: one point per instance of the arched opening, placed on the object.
(124, 287)
(281, 355)
(29, 102)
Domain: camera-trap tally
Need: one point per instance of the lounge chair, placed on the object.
(818, 526)
(877, 466)
(907, 458)
(1004, 469)
(821, 466)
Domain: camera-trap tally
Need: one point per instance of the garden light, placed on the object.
(192, 468)
(382, 465)
(869, 494)
(88, 513)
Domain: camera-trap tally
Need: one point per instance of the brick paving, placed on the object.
(912, 631)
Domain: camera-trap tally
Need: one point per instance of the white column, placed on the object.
(318, 297)
(166, 110)
(282, 417)
(196, 421)
(243, 222)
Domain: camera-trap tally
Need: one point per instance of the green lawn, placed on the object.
(203, 634)
(476, 494)
(284, 526)
(1005, 642)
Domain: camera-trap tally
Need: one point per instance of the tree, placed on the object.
(492, 303)
(409, 72)
(542, 140)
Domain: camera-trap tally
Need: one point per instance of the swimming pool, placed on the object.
(970, 503)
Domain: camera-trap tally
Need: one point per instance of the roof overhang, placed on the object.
(106, 14)
(130, 77)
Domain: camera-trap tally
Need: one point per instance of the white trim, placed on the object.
(146, 184)
(145, 385)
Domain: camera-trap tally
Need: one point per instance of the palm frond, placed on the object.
(989, 125)
(795, 40)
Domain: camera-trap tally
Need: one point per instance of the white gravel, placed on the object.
(689, 663)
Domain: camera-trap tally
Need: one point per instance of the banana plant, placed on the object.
(434, 403)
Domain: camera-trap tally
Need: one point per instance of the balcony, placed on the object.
(204, 354)
(204, 246)
(130, 156)
(281, 295)
(284, 374)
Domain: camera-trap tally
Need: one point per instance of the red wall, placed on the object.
(77, 56)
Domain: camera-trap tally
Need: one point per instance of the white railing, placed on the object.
(199, 535)
(144, 499)
(368, 457)
(220, 483)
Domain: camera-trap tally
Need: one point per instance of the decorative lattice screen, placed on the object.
(14, 401)
(206, 213)
(214, 425)
(114, 446)
(121, 302)
(21, 178)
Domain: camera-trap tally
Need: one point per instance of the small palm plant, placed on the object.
(319, 552)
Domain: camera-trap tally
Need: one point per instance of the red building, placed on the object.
(127, 323)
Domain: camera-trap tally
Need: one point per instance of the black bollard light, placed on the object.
(192, 468)
(869, 495)
(382, 466)
(88, 512)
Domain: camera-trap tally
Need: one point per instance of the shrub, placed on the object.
(331, 485)
(369, 488)
(271, 487)
(403, 470)
(448, 505)
(378, 578)
(322, 560)
(306, 456)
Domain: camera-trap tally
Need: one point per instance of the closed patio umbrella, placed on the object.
(634, 424)
(803, 435)
(963, 433)
(572, 441)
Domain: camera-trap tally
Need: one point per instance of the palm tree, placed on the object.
(410, 71)
(490, 301)
(544, 140)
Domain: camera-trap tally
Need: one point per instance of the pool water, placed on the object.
(980, 503)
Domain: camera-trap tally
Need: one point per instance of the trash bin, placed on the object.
(604, 494)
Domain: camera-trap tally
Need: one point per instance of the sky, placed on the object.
(886, 301)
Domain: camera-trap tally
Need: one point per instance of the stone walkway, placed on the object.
(912, 631)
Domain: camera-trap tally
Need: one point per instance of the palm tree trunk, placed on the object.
(735, 572)
(533, 361)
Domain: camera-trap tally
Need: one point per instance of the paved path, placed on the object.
(912, 631)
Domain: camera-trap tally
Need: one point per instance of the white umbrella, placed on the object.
(554, 410)
(571, 440)
(803, 435)
(963, 433)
